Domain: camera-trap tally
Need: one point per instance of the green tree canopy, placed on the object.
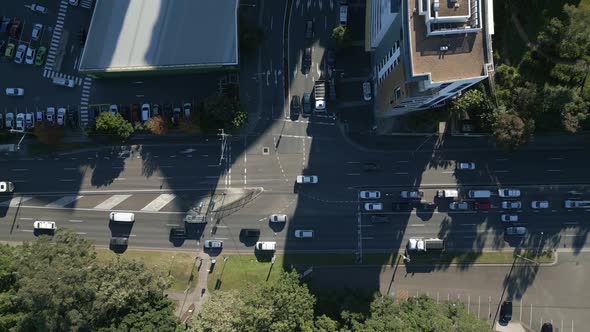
(342, 37)
(223, 112)
(115, 127)
(510, 130)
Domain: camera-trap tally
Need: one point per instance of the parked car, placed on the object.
(187, 110)
(36, 33)
(213, 244)
(9, 121)
(20, 53)
(20, 121)
(176, 115)
(9, 51)
(540, 204)
(39, 116)
(370, 194)
(466, 166)
(6, 187)
(29, 120)
(40, 57)
(482, 205)
(330, 60)
(50, 114)
(295, 107)
(459, 206)
(30, 57)
(306, 62)
(516, 230)
(114, 109)
(15, 29)
(155, 110)
(15, 92)
(5, 24)
(306, 104)
(61, 115)
(367, 91)
(38, 9)
(304, 234)
(250, 232)
(506, 312)
(1, 120)
(303, 179)
(277, 218)
(509, 218)
(511, 205)
(308, 30)
(373, 206)
(415, 194)
(145, 112)
(509, 192)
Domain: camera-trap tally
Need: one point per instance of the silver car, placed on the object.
(213, 244)
(459, 206)
(511, 205)
(515, 230)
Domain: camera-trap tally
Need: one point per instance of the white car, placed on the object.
(373, 206)
(304, 234)
(509, 192)
(29, 120)
(44, 225)
(39, 9)
(50, 114)
(15, 92)
(459, 206)
(412, 194)
(466, 166)
(187, 109)
(20, 121)
(367, 91)
(20, 53)
(509, 218)
(61, 114)
(9, 120)
(213, 244)
(540, 204)
(145, 112)
(516, 231)
(30, 57)
(511, 205)
(370, 194)
(39, 116)
(6, 187)
(277, 218)
(36, 31)
(307, 179)
(114, 109)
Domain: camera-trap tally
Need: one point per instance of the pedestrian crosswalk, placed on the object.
(51, 74)
(86, 4)
(127, 202)
(84, 101)
(56, 37)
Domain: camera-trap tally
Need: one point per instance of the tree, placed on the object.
(420, 314)
(574, 113)
(223, 112)
(472, 100)
(342, 37)
(509, 129)
(114, 127)
(157, 125)
(48, 133)
(222, 312)
(570, 74)
(190, 125)
(525, 100)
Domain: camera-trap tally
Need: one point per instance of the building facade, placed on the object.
(425, 52)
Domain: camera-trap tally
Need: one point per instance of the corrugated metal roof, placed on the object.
(127, 35)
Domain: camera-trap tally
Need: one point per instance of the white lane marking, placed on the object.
(18, 181)
(553, 170)
(27, 230)
(175, 225)
(158, 203)
(401, 173)
(75, 220)
(64, 201)
(16, 201)
(120, 179)
(555, 158)
(417, 225)
(23, 218)
(448, 172)
(353, 174)
(19, 169)
(66, 180)
(353, 162)
(112, 201)
(70, 168)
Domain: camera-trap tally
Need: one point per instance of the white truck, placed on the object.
(266, 246)
(420, 244)
(319, 91)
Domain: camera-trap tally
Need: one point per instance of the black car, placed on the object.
(177, 233)
(402, 207)
(306, 104)
(308, 30)
(306, 63)
(250, 232)
(295, 107)
(506, 312)
(330, 60)
(547, 327)
(371, 167)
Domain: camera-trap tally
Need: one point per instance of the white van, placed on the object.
(480, 194)
(266, 245)
(64, 82)
(47, 225)
(447, 193)
(122, 216)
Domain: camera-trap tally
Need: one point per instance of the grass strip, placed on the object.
(180, 265)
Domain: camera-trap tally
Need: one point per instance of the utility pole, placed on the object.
(223, 144)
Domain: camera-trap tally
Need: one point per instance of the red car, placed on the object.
(15, 29)
(135, 112)
(482, 205)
